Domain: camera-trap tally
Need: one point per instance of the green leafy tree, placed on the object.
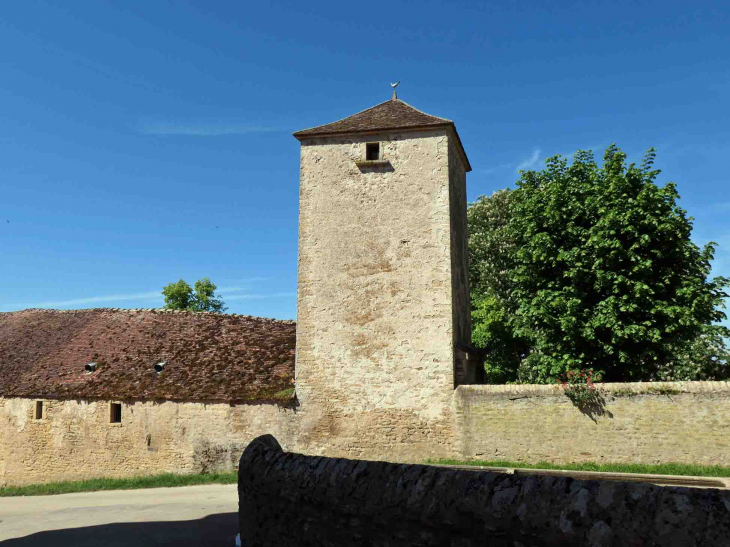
(605, 274)
(705, 358)
(492, 248)
(492, 245)
(181, 296)
(493, 332)
(178, 296)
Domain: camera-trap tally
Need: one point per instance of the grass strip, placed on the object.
(131, 483)
(681, 469)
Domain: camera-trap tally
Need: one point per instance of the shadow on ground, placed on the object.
(211, 531)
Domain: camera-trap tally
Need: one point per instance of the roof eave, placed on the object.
(323, 134)
(299, 135)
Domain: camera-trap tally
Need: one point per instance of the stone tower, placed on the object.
(383, 297)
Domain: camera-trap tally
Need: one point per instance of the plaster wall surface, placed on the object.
(637, 424)
(375, 318)
(75, 439)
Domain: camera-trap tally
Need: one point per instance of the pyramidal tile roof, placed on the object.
(389, 115)
(392, 114)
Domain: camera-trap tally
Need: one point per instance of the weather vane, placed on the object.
(394, 86)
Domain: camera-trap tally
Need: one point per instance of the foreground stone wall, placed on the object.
(75, 439)
(374, 352)
(291, 499)
(655, 422)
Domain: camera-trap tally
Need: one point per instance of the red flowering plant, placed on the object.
(579, 386)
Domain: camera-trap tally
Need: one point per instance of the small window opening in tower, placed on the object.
(39, 410)
(372, 151)
(115, 415)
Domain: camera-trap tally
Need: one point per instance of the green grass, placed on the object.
(659, 469)
(284, 394)
(93, 485)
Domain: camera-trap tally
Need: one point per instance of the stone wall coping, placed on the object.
(665, 480)
(640, 388)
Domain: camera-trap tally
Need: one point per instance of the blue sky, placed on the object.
(144, 142)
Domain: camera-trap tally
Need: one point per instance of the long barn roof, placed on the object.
(209, 356)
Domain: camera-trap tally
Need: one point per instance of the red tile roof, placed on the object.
(390, 115)
(209, 356)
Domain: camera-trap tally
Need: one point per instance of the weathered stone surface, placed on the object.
(74, 440)
(295, 500)
(638, 424)
(517, 423)
(379, 309)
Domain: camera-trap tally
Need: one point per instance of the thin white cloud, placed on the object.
(492, 170)
(597, 151)
(260, 296)
(230, 289)
(200, 129)
(534, 160)
(531, 161)
(150, 295)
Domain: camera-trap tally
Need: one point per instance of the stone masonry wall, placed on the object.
(75, 439)
(295, 500)
(374, 362)
(637, 424)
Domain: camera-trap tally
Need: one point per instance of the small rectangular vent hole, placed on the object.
(39, 410)
(372, 151)
(116, 413)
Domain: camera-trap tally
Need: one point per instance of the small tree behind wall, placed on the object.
(181, 296)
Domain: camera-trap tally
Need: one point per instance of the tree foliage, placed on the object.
(181, 296)
(592, 267)
(492, 248)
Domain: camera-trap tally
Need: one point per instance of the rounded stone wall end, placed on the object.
(267, 442)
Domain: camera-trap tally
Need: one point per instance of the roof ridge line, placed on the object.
(147, 310)
(421, 111)
(350, 116)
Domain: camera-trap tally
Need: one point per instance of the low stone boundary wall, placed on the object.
(296, 500)
(638, 422)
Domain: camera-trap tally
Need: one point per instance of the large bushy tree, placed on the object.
(492, 248)
(600, 272)
(181, 296)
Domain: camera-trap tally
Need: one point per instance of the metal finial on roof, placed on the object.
(394, 86)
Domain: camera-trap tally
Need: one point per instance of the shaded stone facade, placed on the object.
(296, 500)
